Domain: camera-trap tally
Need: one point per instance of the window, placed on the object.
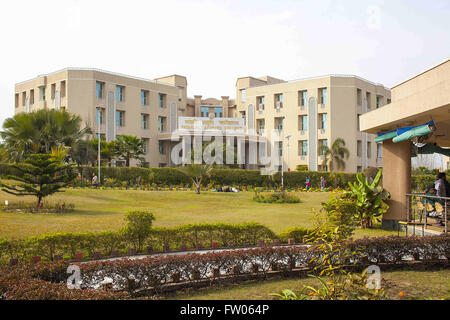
(323, 143)
(144, 97)
(32, 96)
(161, 124)
(379, 101)
(99, 90)
(278, 100)
(99, 116)
(24, 98)
(218, 112)
(368, 98)
(358, 97)
(303, 123)
(243, 95)
(180, 93)
(16, 100)
(144, 121)
(120, 118)
(303, 148)
(358, 169)
(302, 97)
(260, 101)
(261, 123)
(369, 150)
(358, 148)
(161, 147)
(279, 124)
(388, 101)
(204, 111)
(120, 93)
(357, 122)
(42, 93)
(53, 91)
(63, 89)
(243, 116)
(161, 100)
(322, 121)
(379, 150)
(145, 145)
(323, 95)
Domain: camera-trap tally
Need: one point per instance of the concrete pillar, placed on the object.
(396, 180)
(198, 102)
(225, 106)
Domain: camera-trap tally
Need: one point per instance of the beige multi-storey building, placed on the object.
(309, 113)
(114, 104)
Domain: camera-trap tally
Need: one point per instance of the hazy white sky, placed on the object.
(214, 42)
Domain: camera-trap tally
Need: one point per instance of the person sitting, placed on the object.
(430, 203)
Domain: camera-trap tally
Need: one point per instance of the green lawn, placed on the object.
(97, 210)
(413, 285)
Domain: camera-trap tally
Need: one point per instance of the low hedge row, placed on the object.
(130, 176)
(127, 276)
(161, 239)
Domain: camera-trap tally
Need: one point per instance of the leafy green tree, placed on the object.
(39, 175)
(335, 156)
(138, 227)
(129, 147)
(39, 132)
(197, 172)
(369, 198)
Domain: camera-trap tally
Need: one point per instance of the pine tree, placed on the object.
(39, 175)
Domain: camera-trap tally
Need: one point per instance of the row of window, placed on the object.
(379, 99)
(303, 148)
(302, 123)
(322, 94)
(120, 120)
(121, 96)
(42, 94)
(218, 112)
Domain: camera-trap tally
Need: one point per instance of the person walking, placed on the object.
(94, 180)
(322, 183)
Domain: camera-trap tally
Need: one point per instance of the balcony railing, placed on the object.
(422, 207)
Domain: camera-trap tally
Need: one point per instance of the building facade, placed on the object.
(311, 113)
(305, 114)
(112, 104)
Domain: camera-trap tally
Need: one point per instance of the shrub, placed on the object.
(47, 280)
(275, 197)
(296, 233)
(138, 227)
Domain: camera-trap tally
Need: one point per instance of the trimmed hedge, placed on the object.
(131, 176)
(190, 235)
(47, 280)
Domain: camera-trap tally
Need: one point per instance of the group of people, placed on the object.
(323, 183)
(440, 188)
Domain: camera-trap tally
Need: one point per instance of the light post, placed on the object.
(282, 159)
(99, 110)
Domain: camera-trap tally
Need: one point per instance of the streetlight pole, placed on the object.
(282, 159)
(99, 110)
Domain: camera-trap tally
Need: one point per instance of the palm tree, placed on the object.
(196, 172)
(129, 147)
(39, 132)
(335, 156)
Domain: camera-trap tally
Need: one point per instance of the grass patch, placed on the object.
(99, 210)
(413, 285)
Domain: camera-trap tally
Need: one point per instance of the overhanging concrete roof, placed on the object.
(420, 99)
